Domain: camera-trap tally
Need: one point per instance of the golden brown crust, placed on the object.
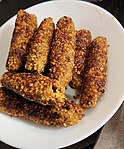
(40, 46)
(15, 105)
(62, 53)
(83, 40)
(25, 26)
(35, 87)
(95, 73)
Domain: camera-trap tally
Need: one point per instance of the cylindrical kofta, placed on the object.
(15, 105)
(95, 73)
(40, 46)
(63, 51)
(34, 87)
(25, 26)
(83, 40)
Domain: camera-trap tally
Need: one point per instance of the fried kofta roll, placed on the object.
(40, 46)
(83, 40)
(95, 73)
(25, 26)
(16, 106)
(63, 51)
(34, 87)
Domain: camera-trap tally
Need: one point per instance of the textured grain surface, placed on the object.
(63, 51)
(25, 26)
(40, 46)
(15, 105)
(95, 73)
(35, 87)
(83, 40)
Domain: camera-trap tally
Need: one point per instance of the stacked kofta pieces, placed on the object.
(42, 61)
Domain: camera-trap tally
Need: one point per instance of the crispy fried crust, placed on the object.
(95, 73)
(15, 105)
(24, 29)
(40, 46)
(83, 40)
(34, 87)
(63, 51)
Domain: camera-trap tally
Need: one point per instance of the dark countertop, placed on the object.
(9, 8)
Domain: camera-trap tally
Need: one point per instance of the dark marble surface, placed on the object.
(8, 8)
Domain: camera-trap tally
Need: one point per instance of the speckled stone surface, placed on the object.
(112, 136)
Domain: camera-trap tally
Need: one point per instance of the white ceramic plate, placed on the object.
(26, 135)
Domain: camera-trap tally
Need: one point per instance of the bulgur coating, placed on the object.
(63, 51)
(15, 105)
(34, 87)
(40, 46)
(95, 73)
(83, 40)
(25, 26)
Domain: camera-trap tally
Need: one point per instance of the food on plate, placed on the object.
(95, 73)
(34, 87)
(83, 40)
(40, 46)
(25, 26)
(63, 51)
(14, 105)
(43, 61)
